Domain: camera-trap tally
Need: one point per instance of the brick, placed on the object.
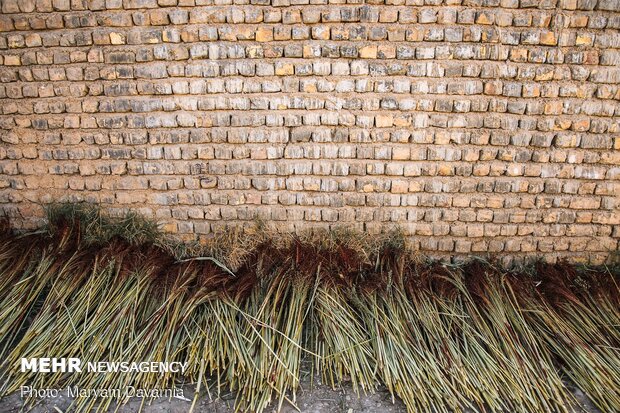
(139, 4)
(368, 52)
(264, 34)
(284, 69)
(548, 39)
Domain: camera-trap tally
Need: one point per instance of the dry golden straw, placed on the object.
(442, 337)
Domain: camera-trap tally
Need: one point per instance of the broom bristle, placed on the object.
(442, 337)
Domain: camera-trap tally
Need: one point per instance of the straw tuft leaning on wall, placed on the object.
(442, 337)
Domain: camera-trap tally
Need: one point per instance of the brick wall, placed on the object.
(476, 126)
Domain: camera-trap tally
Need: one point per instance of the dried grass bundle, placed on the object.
(442, 337)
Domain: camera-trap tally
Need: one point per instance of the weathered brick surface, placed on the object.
(475, 125)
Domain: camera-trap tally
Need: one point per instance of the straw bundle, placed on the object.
(442, 337)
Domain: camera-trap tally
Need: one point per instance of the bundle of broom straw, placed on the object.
(442, 337)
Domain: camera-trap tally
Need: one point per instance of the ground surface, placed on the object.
(317, 398)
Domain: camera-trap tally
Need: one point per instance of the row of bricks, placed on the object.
(257, 142)
(382, 120)
(537, 100)
(280, 143)
(522, 147)
(466, 118)
(333, 169)
(261, 145)
(235, 71)
(503, 240)
(355, 34)
(522, 162)
(316, 94)
(490, 223)
(47, 6)
(29, 84)
(457, 52)
(527, 196)
(516, 157)
(311, 15)
(310, 171)
(524, 209)
(345, 186)
(315, 16)
(569, 223)
(315, 184)
(414, 151)
(441, 228)
(387, 104)
(258, 191)
(419, 235)
(578, 224)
